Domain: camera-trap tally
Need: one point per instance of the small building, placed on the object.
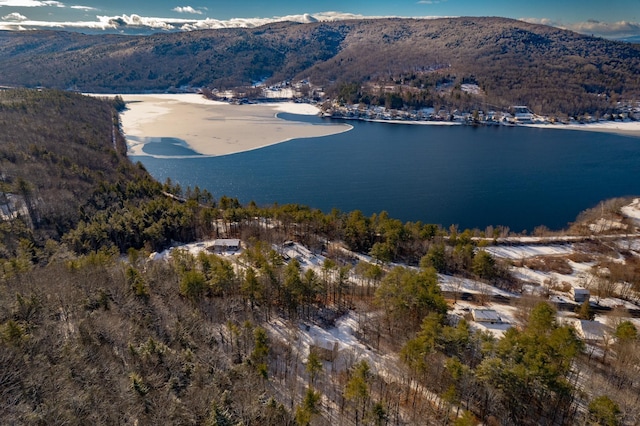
(225, 245)
(580, 294)
(522, 114)
(591, 331)
(486, 315)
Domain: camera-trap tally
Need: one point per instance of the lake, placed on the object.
(470, 176)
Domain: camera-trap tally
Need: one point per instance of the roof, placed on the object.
(227, 242)
(579, 290)
(591, 330)
(488, 315)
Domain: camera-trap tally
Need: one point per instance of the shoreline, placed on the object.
(216, 128)
(625, 128)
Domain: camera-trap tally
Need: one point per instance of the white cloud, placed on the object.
(140, 24)
(187, 9)
(138, 21)
(85, 8)
(30, 3)
(135, 24)
(607, 29)
(256, 22)
(14, 17)
(616, 30)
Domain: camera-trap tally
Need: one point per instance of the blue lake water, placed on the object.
(470, 176)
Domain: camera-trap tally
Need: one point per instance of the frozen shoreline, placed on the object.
(215, 128)
(627, 128)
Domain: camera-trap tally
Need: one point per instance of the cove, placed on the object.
(469, 176)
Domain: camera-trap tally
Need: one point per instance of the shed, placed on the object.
(486, 315)
(580, 294)
(226, 244)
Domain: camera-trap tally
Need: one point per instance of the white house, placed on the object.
(522, 114)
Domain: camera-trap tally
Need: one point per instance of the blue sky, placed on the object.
(617, 19)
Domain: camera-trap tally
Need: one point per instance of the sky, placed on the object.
(619, 19)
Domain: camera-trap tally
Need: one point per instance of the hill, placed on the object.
(281, 332)
(55, 149)
(65, 177)
(424, 61)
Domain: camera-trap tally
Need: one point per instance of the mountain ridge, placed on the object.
(513, 62)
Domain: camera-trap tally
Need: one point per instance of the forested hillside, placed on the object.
(99, 324)
(55, 150)
(66, 177)
(423, 62)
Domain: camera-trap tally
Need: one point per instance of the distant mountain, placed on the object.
(512, 62)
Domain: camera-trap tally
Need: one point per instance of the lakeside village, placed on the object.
(302, 91)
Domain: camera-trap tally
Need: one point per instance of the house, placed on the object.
(486, 315)
(522, 114)
(225, 245)
(591, 331)
(580, 294)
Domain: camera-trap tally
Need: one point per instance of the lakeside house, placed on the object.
(522, 114)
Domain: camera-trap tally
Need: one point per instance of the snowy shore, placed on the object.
(218, 128)
(215, 128)
(628, 128)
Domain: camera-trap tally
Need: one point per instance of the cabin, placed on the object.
(580, 294)
(225, 245)
(486, 315)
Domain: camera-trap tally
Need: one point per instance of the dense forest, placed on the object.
(97, 327)
(417, 62)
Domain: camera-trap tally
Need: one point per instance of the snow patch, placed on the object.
(632, 211)
(527, 251)
(603, 225)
